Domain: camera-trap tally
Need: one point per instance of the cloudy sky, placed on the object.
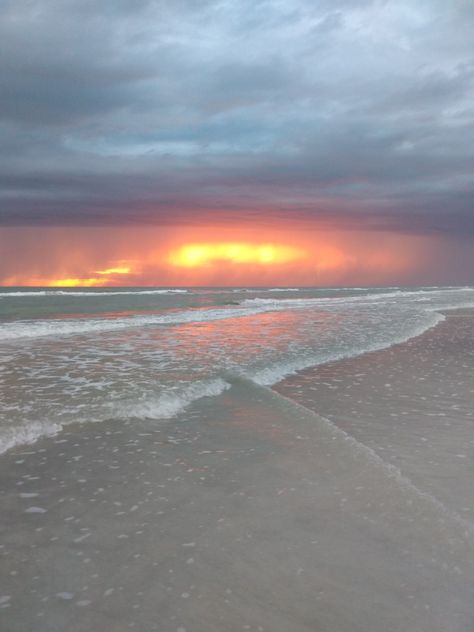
(352, 119)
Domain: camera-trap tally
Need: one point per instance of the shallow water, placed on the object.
(412, 404)
(247, 513)
(92, 355)
(201, 500)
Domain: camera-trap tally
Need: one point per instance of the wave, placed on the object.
(273, 374)
(248, 307)
(26, 434)
(35, 293)
(285, 303)
(165, 406)
(55, 327)
(170, 404)
(21, 329)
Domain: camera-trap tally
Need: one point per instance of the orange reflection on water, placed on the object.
(266, 330)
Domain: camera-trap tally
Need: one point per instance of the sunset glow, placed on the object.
(148, 158)
(119, 270)
(79, 282)
(195, 255)
(74, 282)
(282, 255)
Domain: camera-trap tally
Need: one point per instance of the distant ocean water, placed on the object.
(88, 355)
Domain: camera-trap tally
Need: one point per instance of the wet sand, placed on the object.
(413, 404)
(249, 512)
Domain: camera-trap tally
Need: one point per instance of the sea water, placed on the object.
(92, 355)
(151, 479)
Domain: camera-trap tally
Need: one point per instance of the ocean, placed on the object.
(86, 356)
(208, 459)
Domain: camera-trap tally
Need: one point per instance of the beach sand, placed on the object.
(413, 404)
(250, 512)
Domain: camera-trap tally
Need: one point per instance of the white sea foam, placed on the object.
(90, 293)
(165, 406)
(60, 327)
(370, 299)
(248, 307)
(387, 318)
(277, 372)
(171, 403)
(27, 433)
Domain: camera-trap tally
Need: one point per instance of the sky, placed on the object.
(236, 142)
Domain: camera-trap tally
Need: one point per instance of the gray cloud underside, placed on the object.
(359, 113)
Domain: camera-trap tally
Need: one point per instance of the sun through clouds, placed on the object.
(203, 254)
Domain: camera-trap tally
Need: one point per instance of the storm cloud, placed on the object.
(353, 114)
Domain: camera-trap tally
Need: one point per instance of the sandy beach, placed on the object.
(271, 521)
(412, 404)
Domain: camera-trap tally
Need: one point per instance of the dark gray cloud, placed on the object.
(359, 113)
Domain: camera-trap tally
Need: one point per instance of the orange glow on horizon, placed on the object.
(208, 256)
(91, 282)
(119, 270)
(204, 254)
(106, 276)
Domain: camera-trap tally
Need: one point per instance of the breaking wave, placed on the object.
(170, 404)
(90, 293)
(59, 327)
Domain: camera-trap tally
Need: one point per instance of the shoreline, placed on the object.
(395, 400)
(48, 429)
(249, 512)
